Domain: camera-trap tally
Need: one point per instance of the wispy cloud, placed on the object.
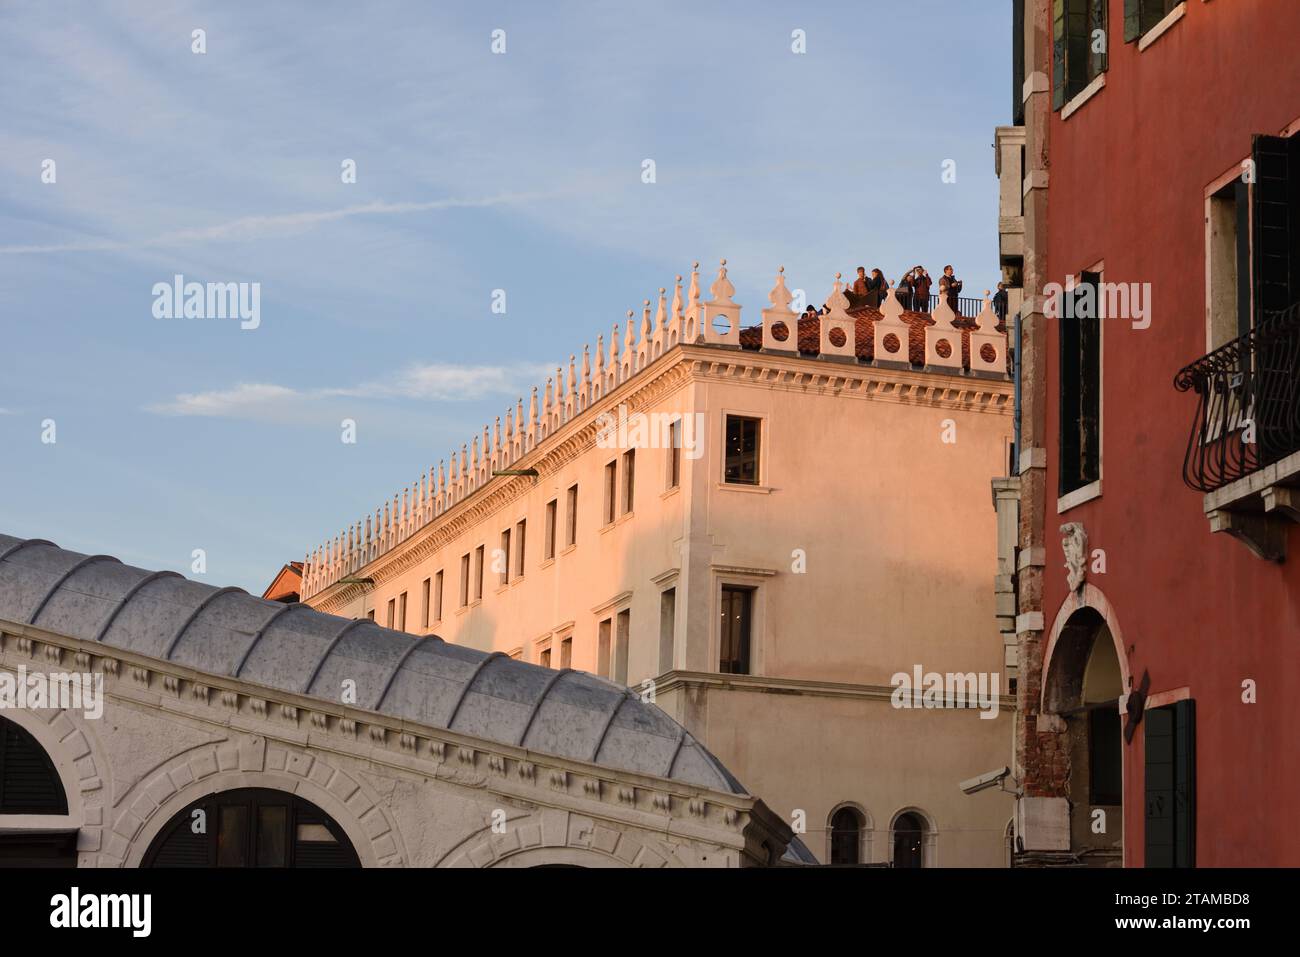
(430, 382)
(256, 227)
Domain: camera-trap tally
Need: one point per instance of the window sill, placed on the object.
(504, 586)
(1161, 28)
(569, 548)
(1080, 495)
(752, 489)
(670, 492)
(626, 516)
(547, 562)
(517, 580)
(1083, 96)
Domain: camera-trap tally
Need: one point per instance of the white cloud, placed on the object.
(427, 382)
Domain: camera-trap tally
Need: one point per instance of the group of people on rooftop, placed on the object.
(913, 290)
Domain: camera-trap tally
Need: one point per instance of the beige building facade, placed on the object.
(758, 528)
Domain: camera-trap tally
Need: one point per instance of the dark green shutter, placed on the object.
(1170, 786)
(1097, 20)
(1090, 385)
(1132, 20)
(1059, 9)
(1276, 224)
(1077, 46)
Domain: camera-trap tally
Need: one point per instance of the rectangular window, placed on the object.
(548, 541)
(478, 572)
(521, 531)
(629, 479)
(622, 639)
(371, 614)
(602, 647)
(737, 609)
(675, 454)
(566, 652)
(544, 655)
(505, 557)
(464, 580)
(571, 526)
(611, 491)
(1079, 44)
(1141, 15)
(437, 596)
(1080, 337)
(743, 435)
(401, 612)
(667, 626)
(1170, 782)
(392, 612)
(1105, 756)
(425, 590)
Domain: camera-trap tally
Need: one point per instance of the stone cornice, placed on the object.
(304, 721)
(677, 367)
(763, 684)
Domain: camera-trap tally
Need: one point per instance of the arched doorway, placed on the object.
(909, 840)
(30, 788)
(1083, 685)
(251, 827)
(847, 827)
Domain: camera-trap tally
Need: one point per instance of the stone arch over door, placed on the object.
(1070, 641)
(554, 836)
(252, 762)
(79, 764)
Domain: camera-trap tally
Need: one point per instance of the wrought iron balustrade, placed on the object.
(1248, 403)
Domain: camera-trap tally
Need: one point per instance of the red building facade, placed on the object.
(1158, 571)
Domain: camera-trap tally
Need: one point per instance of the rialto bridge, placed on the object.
(238, 731)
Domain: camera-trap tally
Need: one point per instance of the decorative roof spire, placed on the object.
(585, 393)
(780, 297)
(722, 290)
(838, 302)
(693, 294)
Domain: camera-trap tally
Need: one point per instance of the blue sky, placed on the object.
(475, 172)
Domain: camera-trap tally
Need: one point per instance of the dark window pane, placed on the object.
(735, 627)
(232, 836)
(272, 836)
(846, 837)
(742, 450)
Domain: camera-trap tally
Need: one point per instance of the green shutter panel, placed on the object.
(1276, 231)
(1132, 20)
(1184, 784)
(1098, 20)
(1159, 785)
(1077, 46)
(1058, 53)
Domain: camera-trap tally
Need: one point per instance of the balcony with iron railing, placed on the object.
(1243, 451)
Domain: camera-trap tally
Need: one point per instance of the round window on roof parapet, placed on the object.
(943, 348)
(988, 353)
(780, 331)
(891, 343)
(837, 337)
(721, 325)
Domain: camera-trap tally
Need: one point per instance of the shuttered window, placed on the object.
(1079, 46)
(1171, 785)
(251, 827)
(1276, 222)
(1141, 15)
(29, 784)
(1080, 384)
